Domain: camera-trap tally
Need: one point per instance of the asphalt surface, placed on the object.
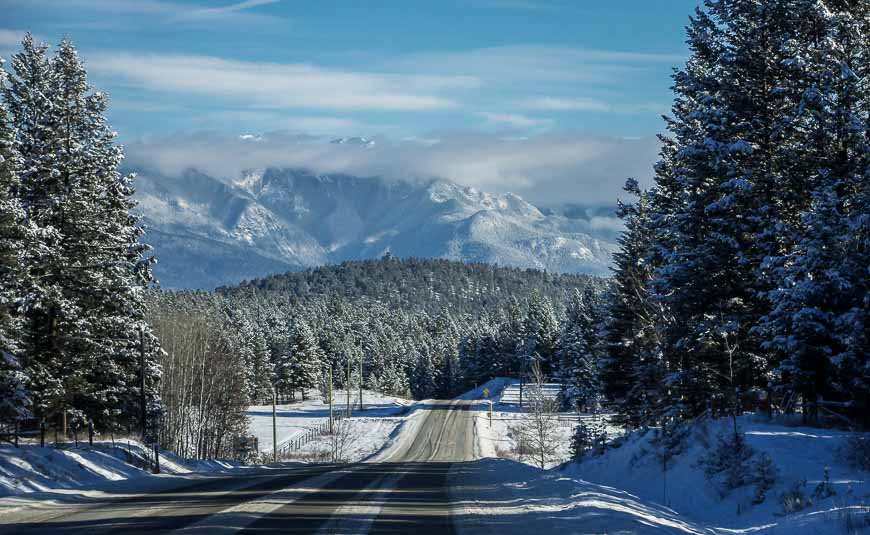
(404, 492)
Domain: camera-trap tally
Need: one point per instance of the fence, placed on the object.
(31, 431)
(310, 435)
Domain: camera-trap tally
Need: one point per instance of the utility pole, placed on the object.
(347, 386)
(331, 422)
(274, 426)
(360, 384)
(142, 408)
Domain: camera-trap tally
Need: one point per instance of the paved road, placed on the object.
(404, 492)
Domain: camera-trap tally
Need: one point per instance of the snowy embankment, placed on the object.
(801, 455)
(502, 495)
(624, 489)
(370, 429)
(34, 477)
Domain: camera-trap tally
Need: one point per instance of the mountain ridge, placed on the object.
(289, 219)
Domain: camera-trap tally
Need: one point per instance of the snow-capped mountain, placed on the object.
(207, 232)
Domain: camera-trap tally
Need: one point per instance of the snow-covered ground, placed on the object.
(496, 438)
(625, 490)
(799, 453)
(369, 430)
(36, 478)
(32, 469)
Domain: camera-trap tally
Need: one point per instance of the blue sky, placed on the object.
(492, 72)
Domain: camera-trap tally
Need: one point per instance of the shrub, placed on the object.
(764, 475)
(824, 489)
(795, 499)
(728, 462)
(856, 451)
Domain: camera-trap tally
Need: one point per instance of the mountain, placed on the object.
(208, 232)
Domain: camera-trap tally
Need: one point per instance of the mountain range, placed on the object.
(208, 231)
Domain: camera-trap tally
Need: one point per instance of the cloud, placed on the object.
(567, 104)
(10, 38)
(224, 10)
(514, 120)
(164, 11)
(275, 85)
(538, 64)
(547, 169)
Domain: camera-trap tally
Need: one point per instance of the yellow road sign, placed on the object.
(486, 392)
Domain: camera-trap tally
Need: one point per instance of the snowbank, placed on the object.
(507, 497)
(799, 453)
(33, 469)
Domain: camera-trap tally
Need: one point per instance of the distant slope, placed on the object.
(207, 232)
(418, 284)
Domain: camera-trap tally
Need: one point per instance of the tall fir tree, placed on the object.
(85, 315)
(14, 238)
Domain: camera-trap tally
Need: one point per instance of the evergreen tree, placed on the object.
(540, 331)
(577, 352)
(14, 397)
(818, 318)
(86, 309)
(304, 356)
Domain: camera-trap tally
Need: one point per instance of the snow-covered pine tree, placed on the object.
(633, 368)
(305, 357)
(717, 187)
(818, 321)
(541, 331)
(109, 265)
(14, 235)
(47, 355)
(577, 351)
(86, 308)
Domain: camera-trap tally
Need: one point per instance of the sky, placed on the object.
(556, 100)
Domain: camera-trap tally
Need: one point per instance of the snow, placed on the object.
(301, 219)
(508, 497)
(371, 429)
(798, 452)
(623, 489)
(29, 468)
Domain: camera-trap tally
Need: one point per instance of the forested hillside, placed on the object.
(419, 284)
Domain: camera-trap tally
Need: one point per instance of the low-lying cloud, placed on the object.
(546, 169)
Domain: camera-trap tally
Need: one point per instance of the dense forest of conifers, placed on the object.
(429, 284)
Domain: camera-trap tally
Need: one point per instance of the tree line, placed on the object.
(228, 350)
(743, 276)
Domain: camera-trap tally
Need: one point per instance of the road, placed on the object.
(404, 491)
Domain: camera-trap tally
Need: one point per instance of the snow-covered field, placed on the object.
(369, 429)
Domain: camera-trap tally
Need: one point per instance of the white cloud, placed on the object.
(162, 10)
(547, 169)
(537, 63)
(223, 10)
(514, 120)
(567, 104)
(10, 38)
(274, 85)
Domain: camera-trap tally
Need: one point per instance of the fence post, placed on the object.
(42, 433)
(91, 433)
(16, 432)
